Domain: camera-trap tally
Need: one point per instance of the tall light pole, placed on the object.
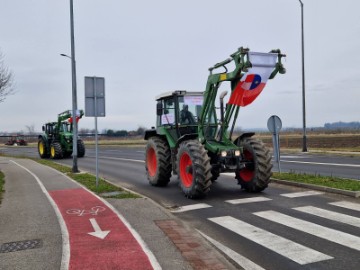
(74, 97)
(304, 146)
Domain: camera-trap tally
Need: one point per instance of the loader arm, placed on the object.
(243, 64)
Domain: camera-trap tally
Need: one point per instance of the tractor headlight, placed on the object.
(223, 153)
(237, 153)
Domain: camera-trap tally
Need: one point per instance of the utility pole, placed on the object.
(74, 96)
(304, 147)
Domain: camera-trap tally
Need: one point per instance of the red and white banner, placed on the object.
(253, 82)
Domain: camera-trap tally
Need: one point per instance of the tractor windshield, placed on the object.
(189, 109)
(65, 127)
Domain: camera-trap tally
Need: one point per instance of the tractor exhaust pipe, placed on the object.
(222, 95)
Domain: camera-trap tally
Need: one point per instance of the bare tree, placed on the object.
(6, 80)
(31, 129)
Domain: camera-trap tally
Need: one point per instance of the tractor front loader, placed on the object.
(56, 141)
(193, 138)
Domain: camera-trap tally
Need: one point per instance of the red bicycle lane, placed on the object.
(98, 238)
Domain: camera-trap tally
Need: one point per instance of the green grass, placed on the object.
(327, 181)
(2, 183)
(89, 181)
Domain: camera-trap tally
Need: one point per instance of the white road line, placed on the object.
(242, 261)
(191, 207)
(332, 235)
(294, 251)
(248, 200)
(346, 219)
(321, 163)
(124, 159)
(348, 205)
(301, 194)
(65, 259)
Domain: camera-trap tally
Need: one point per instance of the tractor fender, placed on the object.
(242, 136)
(150, 133)
(186, 137)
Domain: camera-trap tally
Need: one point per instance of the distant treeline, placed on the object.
(115, 133)
(342, 125)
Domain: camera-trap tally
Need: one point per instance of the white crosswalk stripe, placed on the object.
(301, 194)
(191, 207)
(332, 235)
(346, 219)
(348, 205)
(248, 200)
(245, 263)
(294, 251)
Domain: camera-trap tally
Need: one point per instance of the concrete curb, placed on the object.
(355, 194)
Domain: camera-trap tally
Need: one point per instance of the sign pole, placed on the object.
(94, 107)
(274, 125)
(96, 136)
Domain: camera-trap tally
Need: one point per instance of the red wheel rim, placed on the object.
(185, 170)
(247, 174)
(151, 161)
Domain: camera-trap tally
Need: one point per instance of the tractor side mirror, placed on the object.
(43, 128)
(159, 108)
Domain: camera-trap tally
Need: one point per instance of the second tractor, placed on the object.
(56, 142)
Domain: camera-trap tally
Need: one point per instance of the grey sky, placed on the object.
(144, 48)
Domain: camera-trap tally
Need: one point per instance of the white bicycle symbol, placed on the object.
(82, 212)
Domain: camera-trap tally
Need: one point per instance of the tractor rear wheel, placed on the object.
(80, 148)
(56, 151)
(42, 149)
(194, 169)
(158, 162)
(255, 177)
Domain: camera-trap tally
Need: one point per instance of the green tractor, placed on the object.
(193, 137)
(57, 140)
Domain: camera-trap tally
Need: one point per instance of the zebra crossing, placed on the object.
(290, 249)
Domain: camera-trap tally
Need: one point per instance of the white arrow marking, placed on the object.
(97, 231)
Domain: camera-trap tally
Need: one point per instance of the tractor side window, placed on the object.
(168, 115)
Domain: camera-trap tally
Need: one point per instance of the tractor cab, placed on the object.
(178, 112)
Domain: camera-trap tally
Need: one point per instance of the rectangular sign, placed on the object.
(94, 96)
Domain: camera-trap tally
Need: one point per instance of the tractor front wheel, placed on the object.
(194, 169)
(42, 149)
(255, 177)
(158, 162)
(56, 151)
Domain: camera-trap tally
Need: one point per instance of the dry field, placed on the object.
(328, 142)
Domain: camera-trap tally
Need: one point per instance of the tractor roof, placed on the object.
(178, 93)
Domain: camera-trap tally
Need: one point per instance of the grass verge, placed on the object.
(326, 181)
(89, 181)
(2, 183)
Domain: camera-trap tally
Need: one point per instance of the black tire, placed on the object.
(56, 151)
(194, 169)
(255, 177)
(80, 148)
(43, 149)
(67, 154)
(215, 173)
(158, 162)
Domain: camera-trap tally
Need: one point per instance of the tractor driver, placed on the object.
(186, 117)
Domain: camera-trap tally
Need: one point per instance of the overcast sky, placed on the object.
(144, 48)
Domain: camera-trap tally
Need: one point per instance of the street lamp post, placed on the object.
(74, 97)
(304, 147)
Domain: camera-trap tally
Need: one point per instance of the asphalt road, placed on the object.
(279, 228)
